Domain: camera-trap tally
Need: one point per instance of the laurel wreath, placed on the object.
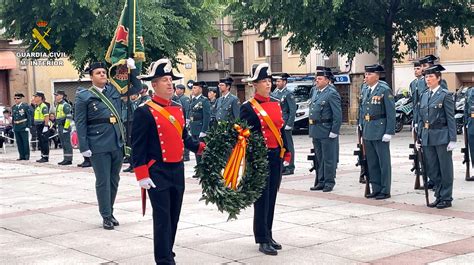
(220, 142)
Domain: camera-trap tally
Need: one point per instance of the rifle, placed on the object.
(423, 174)
(362, 162)
(416, 162)
(312, 157)
(466, 160)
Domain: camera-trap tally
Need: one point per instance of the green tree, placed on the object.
(83, 29)
(352, 26)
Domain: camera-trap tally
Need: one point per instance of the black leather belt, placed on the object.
(319, 121)
(111, 120)
(435, 125)
(368, 117)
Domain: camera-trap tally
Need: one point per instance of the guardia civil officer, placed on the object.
(158, 142)
(228, 105)
(42, 124)
(212, 96)
(263, 115)
(417, 87)
(144, 97)
(325, 118)
(427, 62)
(377, 118)
(184, 100)
(63, 123)
(199, 114)
(469, 122)
(100, 137)
(21, 117)
(438, 136)
(288, 107)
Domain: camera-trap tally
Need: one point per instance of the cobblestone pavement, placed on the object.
(49, 215)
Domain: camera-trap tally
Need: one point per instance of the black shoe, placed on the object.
(430, 185)
(362, 180)
(107, 223)
(126, 160)
(275, 244)
(444, 204)
(433, 204)
(129, 170)
(317, 187)
(64, 162)
(267, 249)
(372, 195)
(18, 159)
(42, 160)
(195, 177)
(327, 189)
(382, 196)
(114, 221)
(86, 164)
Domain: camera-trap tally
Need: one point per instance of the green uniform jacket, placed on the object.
(288, 105)
(21, 117)
(102, 137)
(199, 115)
(436, 118)
(227, 108)
(379, 105)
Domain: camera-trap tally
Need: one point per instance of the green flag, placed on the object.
(126, 43)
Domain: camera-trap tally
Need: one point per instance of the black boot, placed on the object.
(267, 249)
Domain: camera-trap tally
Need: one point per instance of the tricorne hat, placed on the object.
(259, 72)
(437, 68)
(160, 68)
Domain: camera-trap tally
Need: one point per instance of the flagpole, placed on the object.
(131, 16)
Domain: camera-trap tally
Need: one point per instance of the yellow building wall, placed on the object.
(41, 78)
(456, 52)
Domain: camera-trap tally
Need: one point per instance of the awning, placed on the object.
(7, 60)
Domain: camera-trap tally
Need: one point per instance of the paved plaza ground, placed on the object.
(49, 215)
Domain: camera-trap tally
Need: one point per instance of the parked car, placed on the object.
(302, 93)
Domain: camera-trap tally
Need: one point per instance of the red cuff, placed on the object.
(201, 148)
(287, 157)
(141, 172)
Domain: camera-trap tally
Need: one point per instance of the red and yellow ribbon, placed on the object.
(236, 159)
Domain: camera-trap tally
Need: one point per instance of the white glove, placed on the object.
(45, 129)
(27, 129)
(65, 131)
(285, 163)
(332, 135)
(417, 146)
(202, 134)
(288, 128)
(131, 63)
(188, 121)
(386, 138)
(87, 153)
(146, 183)
(451, 146)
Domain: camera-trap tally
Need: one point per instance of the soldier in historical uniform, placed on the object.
(41, 122)
(158, 142)
(263, 114)
(63, 123)
(325, 118)
(199, 114)
(184, 100)
(212, 95)
(469, 123)
(288, 108)
(101, 137)
(22, 119)
(227, 106)
(377, 118)
(438, 136)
